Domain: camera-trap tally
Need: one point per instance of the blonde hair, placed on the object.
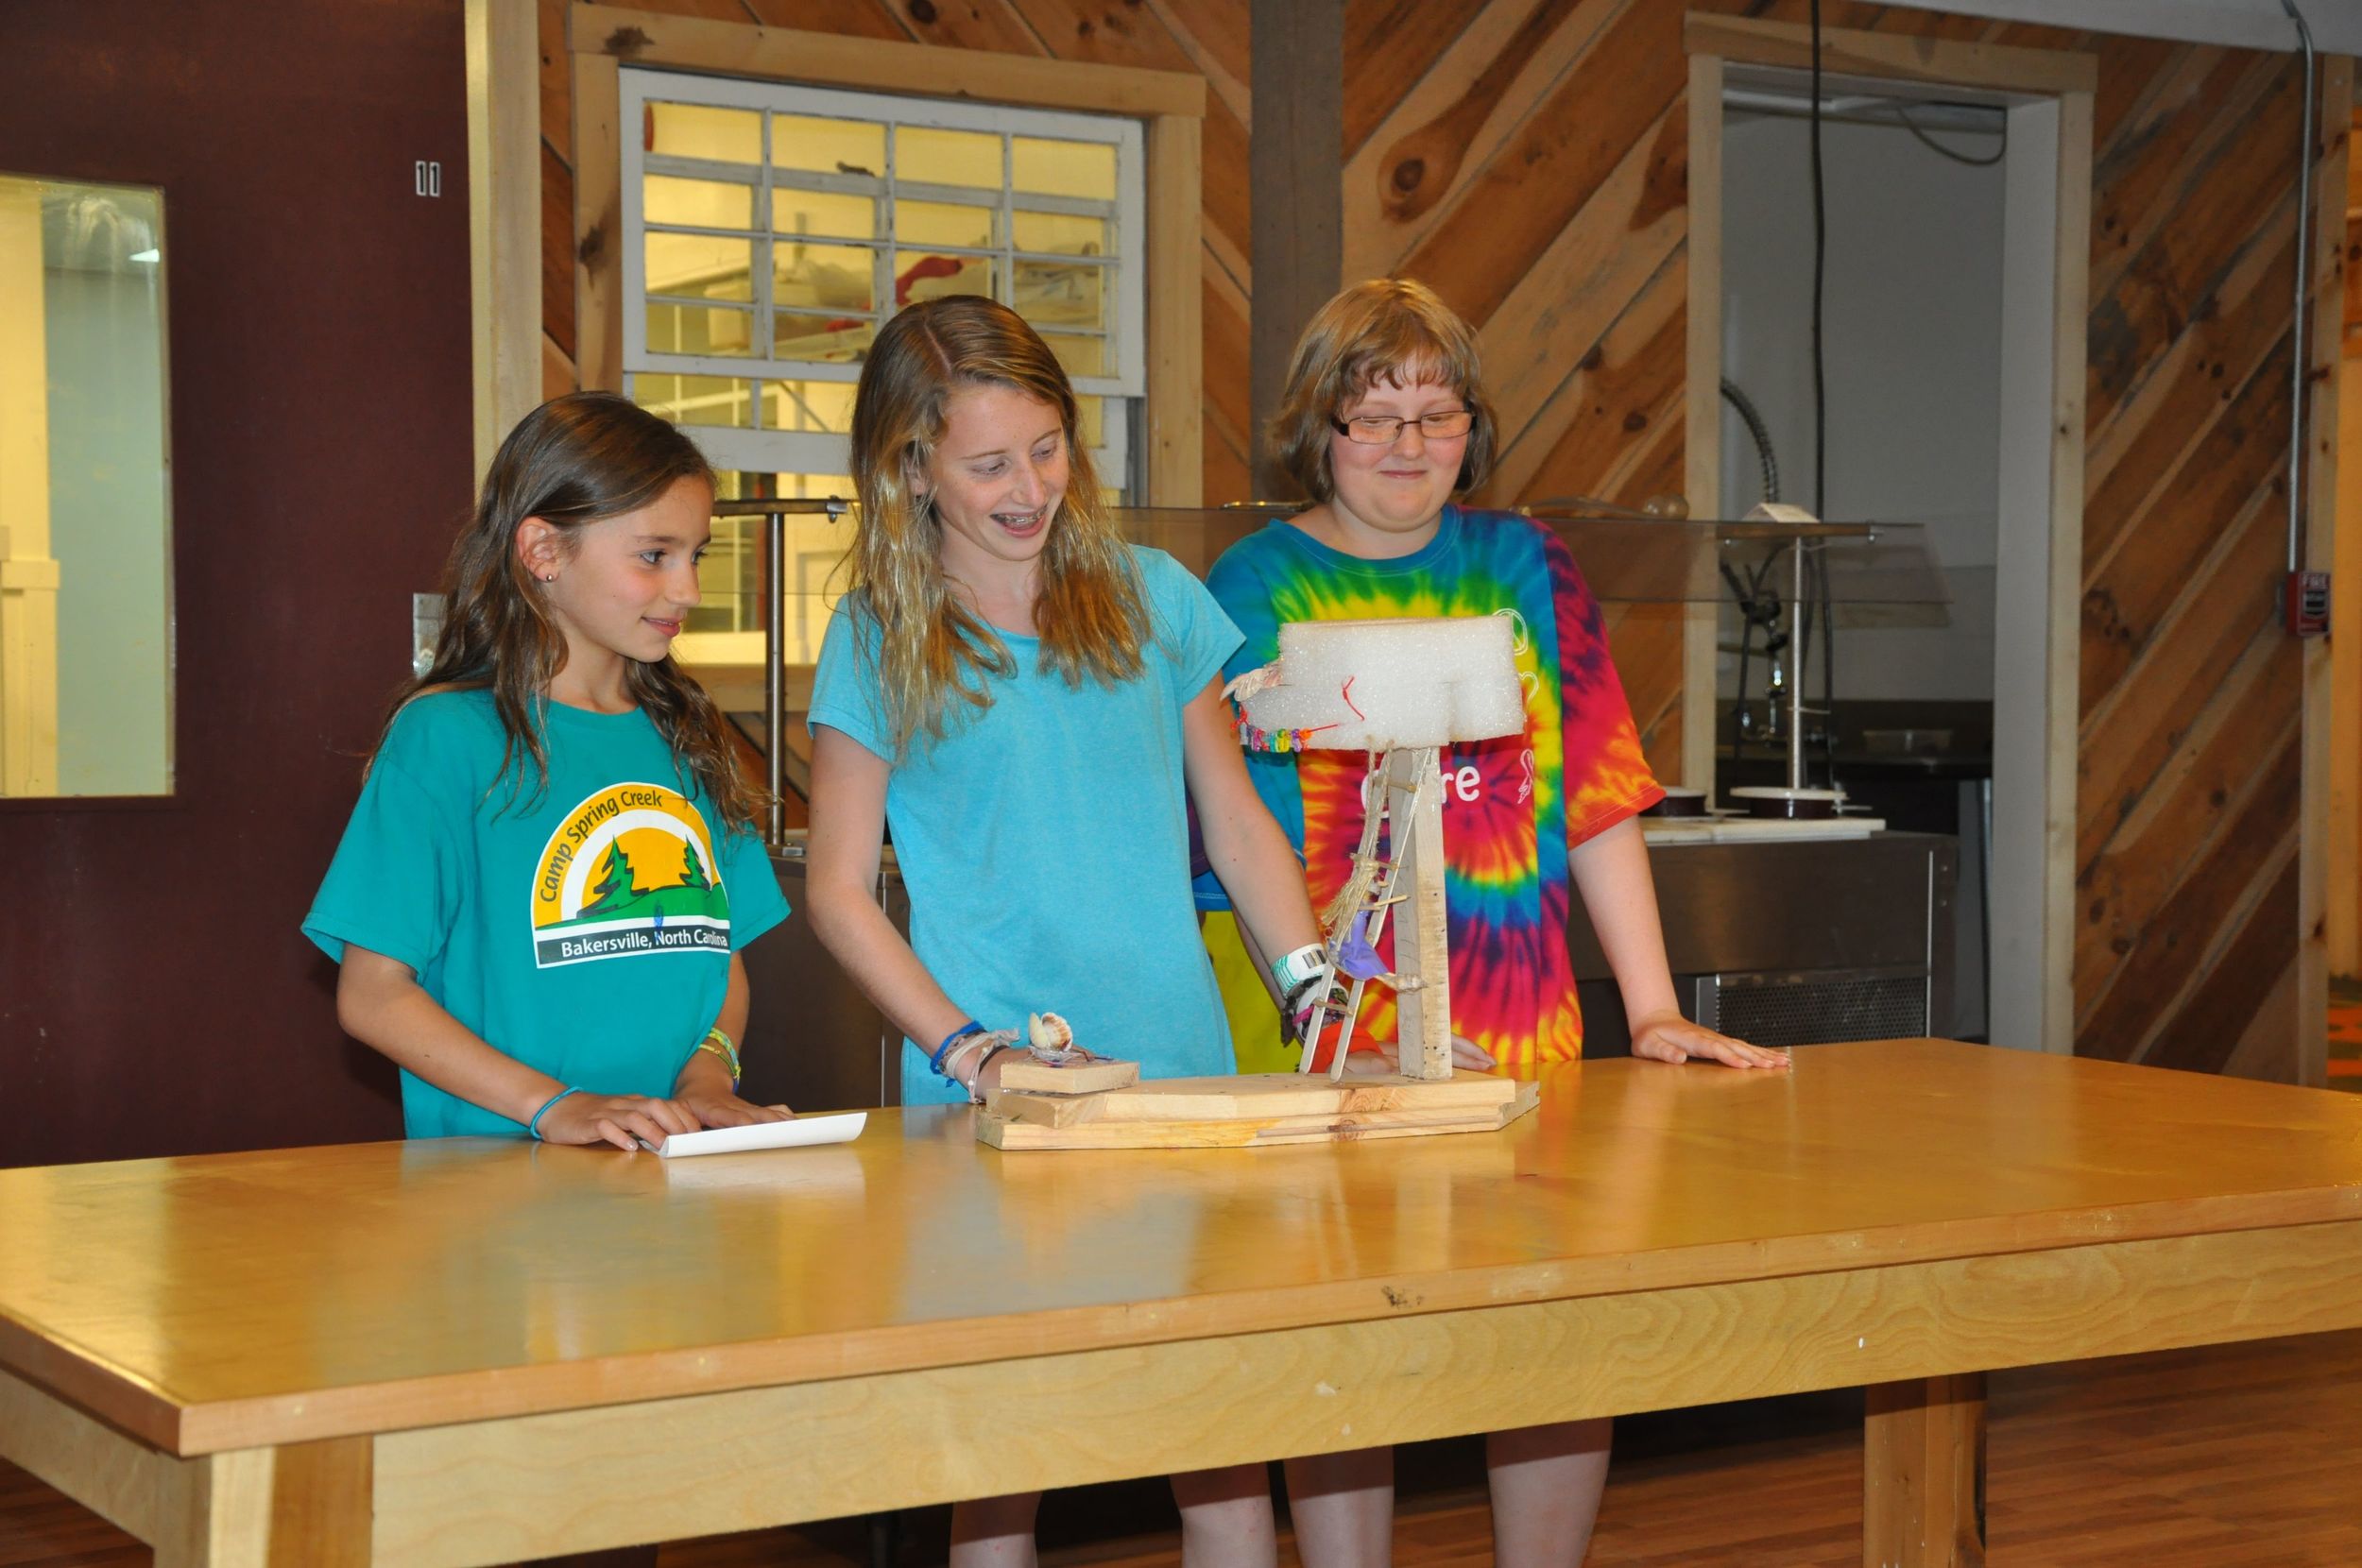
(934, 655)
(1392, 329)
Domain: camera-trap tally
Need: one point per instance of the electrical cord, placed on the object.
(1765, 457)
(1917, 130)
(1820, 577)
(1749, 595)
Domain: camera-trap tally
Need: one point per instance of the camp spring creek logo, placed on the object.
(630, 871)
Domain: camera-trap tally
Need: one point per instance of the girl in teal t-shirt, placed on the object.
(1023, 696)
(540, 899)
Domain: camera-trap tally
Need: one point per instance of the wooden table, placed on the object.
(469, 1351)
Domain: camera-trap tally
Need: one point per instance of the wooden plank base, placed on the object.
(1253, 1111)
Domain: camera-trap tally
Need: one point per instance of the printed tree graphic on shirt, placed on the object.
(692, 869)
(614, 885)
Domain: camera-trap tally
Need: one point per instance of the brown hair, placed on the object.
(931, 649)
(572, 461)
(1392, 329)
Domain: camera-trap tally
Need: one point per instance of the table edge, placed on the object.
(191, 1426)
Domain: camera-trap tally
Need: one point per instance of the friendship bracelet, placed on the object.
(975, 1084)
(532, 1128)
(934, 1062)
(721, 1044)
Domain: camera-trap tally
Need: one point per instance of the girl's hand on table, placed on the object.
(1467, 1056)
(619, 1119)
(723, 1108)
(1670, 1037)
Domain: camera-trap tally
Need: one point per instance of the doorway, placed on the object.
(2004, 523)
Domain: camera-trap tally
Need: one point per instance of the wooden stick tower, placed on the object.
(1400, 692)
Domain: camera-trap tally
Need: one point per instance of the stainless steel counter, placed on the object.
(1781, 943)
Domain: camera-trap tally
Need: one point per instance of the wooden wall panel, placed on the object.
(1204, 35)
(1534, 173)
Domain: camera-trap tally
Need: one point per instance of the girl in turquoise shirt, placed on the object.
(1024, 697)
(539, 900)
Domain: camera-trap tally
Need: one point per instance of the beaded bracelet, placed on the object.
(934, 1062)
(532, 1128)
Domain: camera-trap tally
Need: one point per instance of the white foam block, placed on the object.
(1414, 683)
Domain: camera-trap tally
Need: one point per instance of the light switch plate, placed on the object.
(426, 629)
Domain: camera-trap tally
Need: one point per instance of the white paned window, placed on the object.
(769, 230)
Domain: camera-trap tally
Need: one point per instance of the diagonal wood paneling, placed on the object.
(1535, 174)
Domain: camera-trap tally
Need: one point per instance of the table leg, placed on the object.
(1923, 1473)
(306, 1503)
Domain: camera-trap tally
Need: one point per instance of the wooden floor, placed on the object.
(2235, 1458)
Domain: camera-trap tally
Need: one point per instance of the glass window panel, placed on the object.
(85, 525)
(1082, 356)
(827, 147)
(924, 223)
(816, 486)
(833, 339)
(1062, 234)
(703, 265)
(946, 157)
(695, 400)
(932, 277)
(818, 213)
(700, 203)
(729, 577)
(823, 277)
(693, 130)
(1086, 169)
(826, 406)
(813, 574)
(699, 330)
(1090, 415)
(1061, 294)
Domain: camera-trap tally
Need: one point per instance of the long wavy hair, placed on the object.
(934, 655)
(572, 461)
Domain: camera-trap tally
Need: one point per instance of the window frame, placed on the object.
(1170, 106)
(639, 86)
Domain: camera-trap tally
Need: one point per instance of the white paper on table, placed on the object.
(797, 1133)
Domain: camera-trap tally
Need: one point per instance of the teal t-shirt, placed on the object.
(1044, 843)
(585, 929)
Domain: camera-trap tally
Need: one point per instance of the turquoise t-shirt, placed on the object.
(1044, 841)
(585, 931)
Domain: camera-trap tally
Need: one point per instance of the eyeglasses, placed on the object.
(1384, 430)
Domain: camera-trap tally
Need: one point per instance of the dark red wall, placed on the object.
(155, 993)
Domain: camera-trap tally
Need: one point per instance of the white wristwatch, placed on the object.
(1291, 970)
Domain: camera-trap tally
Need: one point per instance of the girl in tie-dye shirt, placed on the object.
(1514, 807)
(1383, 422)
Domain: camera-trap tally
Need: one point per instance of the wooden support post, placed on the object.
(1923, 1473)
(1295, 186)
(1416, 817)
(306, 1504)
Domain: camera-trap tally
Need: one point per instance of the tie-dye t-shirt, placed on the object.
(1513, 808)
